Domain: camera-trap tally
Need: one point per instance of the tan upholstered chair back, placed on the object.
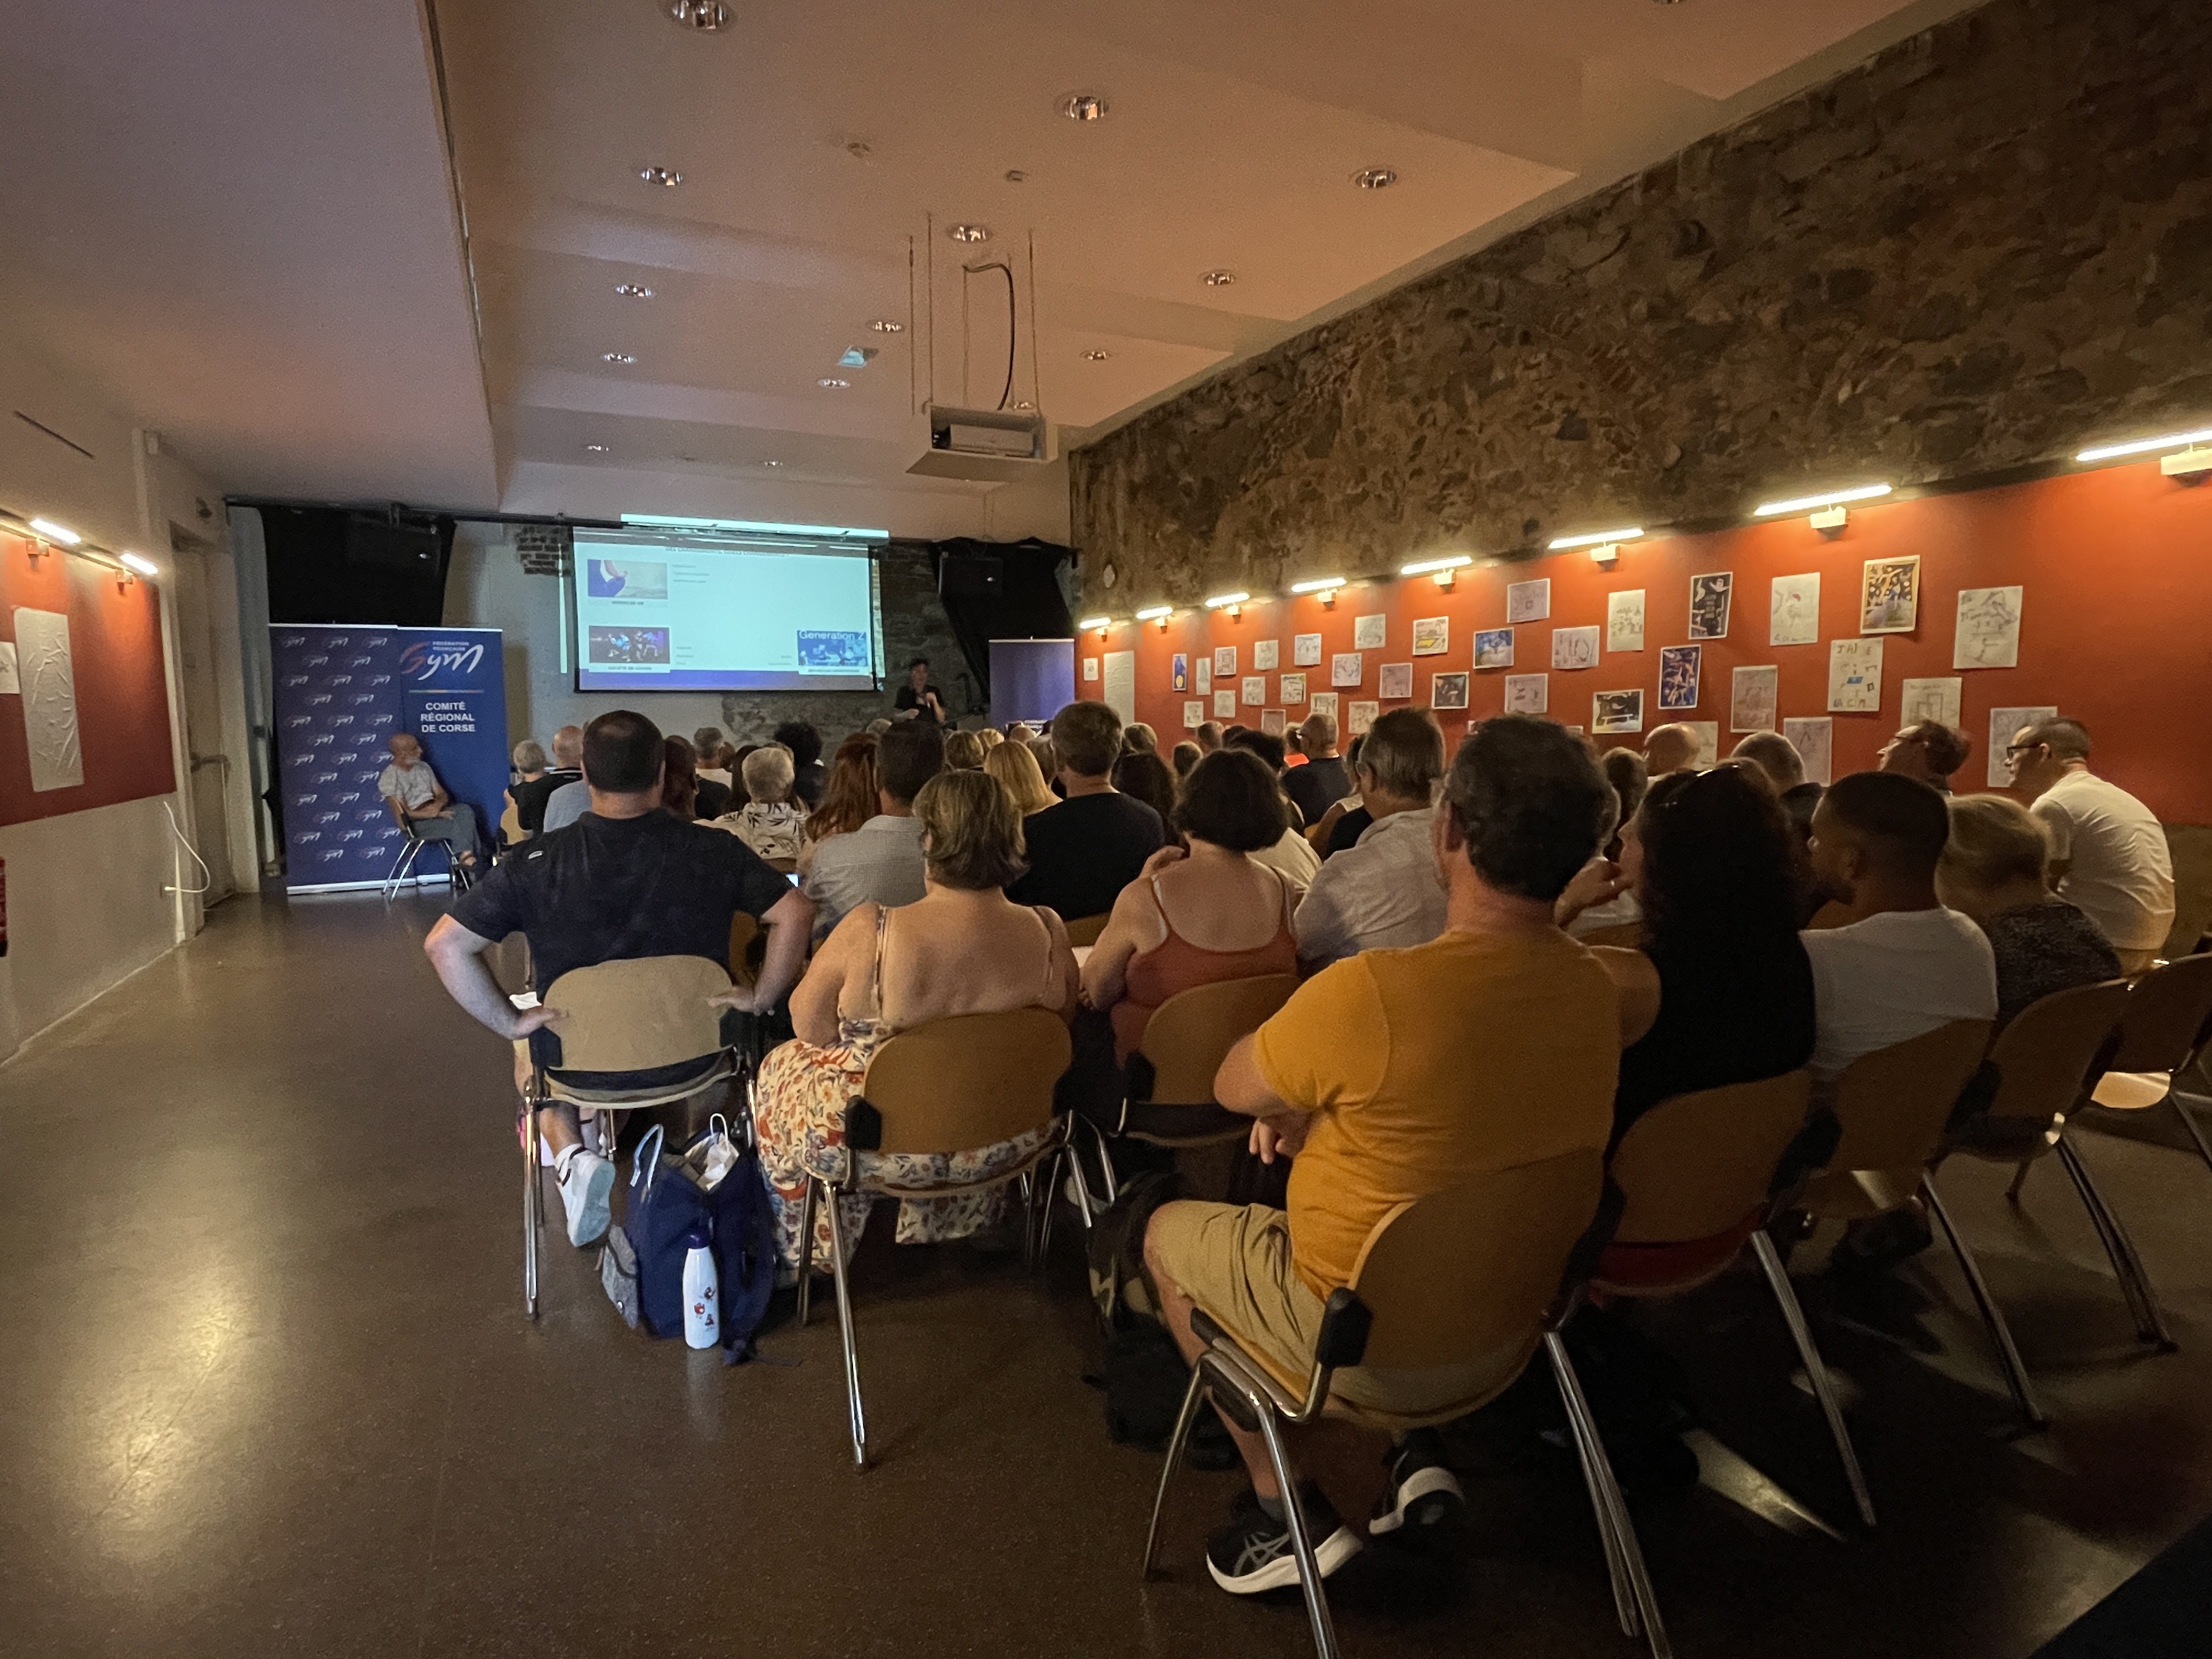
(1084, 930)
(956, 1084)
(635, 1015)
(1462, 1274)
(510, 825)
(748, 947)
(1895, 1102)
(2167, 1012)
(1696, 1166)
(1192, 1032)
(2043, 1058)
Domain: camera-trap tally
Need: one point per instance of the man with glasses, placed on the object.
(1929, 750)
(2108, 854)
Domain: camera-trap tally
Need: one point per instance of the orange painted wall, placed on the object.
(2115, 629)
(122, 695)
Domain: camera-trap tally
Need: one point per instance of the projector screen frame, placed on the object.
(645, 531)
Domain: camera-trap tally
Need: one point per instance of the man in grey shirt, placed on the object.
(1381, 892)
(417, 798)
(882, 860)
(567, 803)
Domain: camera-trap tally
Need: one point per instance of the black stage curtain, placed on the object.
(330, 564)
(1023, 602)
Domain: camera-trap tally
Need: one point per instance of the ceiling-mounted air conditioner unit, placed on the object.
(987, 446)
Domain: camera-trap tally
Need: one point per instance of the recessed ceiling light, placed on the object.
(634, 290)
(771, 463)
(617, 357)
(707, 17)
(1016, 176)
(1096, 356)
(1083, 106)
(667, 178)
(596, 449)
(969, 233)
(1218, 279)
(1375, 178)
(834, 385)
(886, 326)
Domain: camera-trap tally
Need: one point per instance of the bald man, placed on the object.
(1670, 749)
(530, 794)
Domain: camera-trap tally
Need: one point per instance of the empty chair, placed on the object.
(619, 1022)
(2167, 1028)
(942, 1088)
(2046, 1061)
(1470, 1272)
(1695, 1172)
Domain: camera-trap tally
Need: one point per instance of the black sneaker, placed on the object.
(1253, 1553)
(1424, 1491)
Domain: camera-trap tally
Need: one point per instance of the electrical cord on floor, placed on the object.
(207, 876)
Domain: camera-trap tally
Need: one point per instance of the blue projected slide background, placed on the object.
(684, 611)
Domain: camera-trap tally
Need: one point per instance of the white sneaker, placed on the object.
(587, 1183)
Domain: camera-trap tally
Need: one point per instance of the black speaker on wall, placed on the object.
(330, 564)
(970, 576)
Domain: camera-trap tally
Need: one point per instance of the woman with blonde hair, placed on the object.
(848, 796)
(964, 750)
(962, 948)
(1016, 768)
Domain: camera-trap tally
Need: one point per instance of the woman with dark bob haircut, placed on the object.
(1202, 912)
(1711, 858)
(960, 949)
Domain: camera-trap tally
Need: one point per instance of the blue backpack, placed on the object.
(666, 1205)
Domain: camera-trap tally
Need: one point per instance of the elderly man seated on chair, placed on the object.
(627, 881)
(419, 801)
(1395, 1074)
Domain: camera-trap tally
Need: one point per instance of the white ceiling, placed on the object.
(235, 218)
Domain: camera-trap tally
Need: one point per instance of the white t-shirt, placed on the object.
(1293, 856)
(1892, 977)
(412, 786)
(2121, 873)
(1381, 893)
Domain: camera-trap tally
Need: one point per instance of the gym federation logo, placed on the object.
(427, 658)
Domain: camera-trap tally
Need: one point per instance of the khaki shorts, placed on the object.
(1234, 1260)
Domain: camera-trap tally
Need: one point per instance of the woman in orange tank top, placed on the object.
(1199, 917)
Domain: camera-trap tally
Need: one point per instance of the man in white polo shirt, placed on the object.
(1381, 892)
(2108, 855)
(411, 790)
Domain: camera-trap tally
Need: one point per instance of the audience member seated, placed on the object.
(808, 774)
(1207, 736)
(1624, 770)
(710, 799)
(679, 783)
(768, 821)
(1929, 750)
(1393, 1075)
(627, 880)
(1710, 861)
(848, 798)
(1185, 756)
(964, 752)
(1992, 870)
(416, 798)
(960, 949)
(1083, 851)
(1016, 768)
(1671, 748)
(1141, 774)
(1776, 756)
(2108, 854)
(1323, 781)
(532, 797)
(1210, 914)
(707, 741)
(1291, 854)
(1911, 964)
(1382, 893)
(920, 699)
(1137, 738)
(1047, 760)
(881, 861)
(992, 737)
(528, 759)
(718, 764)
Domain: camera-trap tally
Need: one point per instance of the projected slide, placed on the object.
(719, 610)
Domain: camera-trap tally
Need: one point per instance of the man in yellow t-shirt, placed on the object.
(1393, 1075)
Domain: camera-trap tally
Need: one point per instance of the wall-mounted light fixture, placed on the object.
(56, 532)
(1232, 603)
(1444, 570)
(1095, 624)
(2181, 440)
(1156, 613)
(1604, 544)
(1323, 588)
(1827, 510)
(141, 563)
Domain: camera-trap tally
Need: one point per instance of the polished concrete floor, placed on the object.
(269, 1391)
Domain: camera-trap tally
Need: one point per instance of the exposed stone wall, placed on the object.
(1976, 251)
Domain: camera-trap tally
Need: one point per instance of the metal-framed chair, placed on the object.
(1695, 1173)
(2166, 1030)
(403, 870)
(946, 1086)
(2048, 1061)
(617, 1021)
(1476, 1271)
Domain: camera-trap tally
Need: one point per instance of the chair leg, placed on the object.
(845, 1331)
(1082, 1185)
(1045, 1205)
(2015, 1372)
(2018, 1179)
(1191, 1396)
(1616, 1528)
(1309, 1579)
(533, 1198)
(1112, 1187)
(1777, 1280)
(2127, 1266)
(805, 1250)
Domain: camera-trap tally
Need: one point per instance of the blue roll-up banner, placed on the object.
(341, 692)
(1031, 679)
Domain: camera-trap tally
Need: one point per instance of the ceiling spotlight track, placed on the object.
(666, 178)
(707, 16)
(1084, 106)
